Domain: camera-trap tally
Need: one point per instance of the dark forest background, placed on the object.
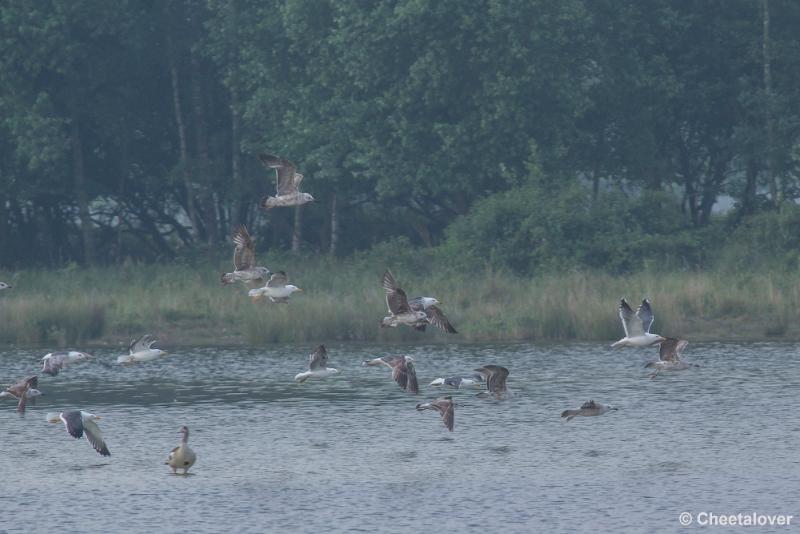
(529, 134)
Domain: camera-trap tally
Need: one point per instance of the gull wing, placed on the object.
(318, 359)
(74, 423)
(396, 299)
(446, 407)
(53, 365)
(630, 321)
(278, 279)
(143, 343)
(671, 349)
(403, 372)
(94, 436)
(645, 313)
(437, 318)
(284, 171)
(244, 254)
(495, 377)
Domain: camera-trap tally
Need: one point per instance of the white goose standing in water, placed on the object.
(637, 326)
(182, 456)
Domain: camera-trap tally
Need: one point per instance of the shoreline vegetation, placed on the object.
(184, 304)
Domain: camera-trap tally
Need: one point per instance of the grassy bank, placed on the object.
(343, 300)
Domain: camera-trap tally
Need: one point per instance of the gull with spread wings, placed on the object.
(244, 261)
(317, 366)
(403, 371)
(277, 288)
(141, 350)
(637, 326)
(587, 409)
(78, 423)
(288, 183)
(417, 312)
(53, 362)
(444, 406)
(669, 357)
(23, 391)
(495, 376)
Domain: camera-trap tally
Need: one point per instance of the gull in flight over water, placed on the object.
(403, 371)
(587, 409)
(23, 391)
(244, 261)
(141, 350)
(78, 423)
(637, 326)
(444, 406)
(495, 376)
(53, 362)
(317, 366)
(278, 289)
(669, 357)
(475, 380)
(288, 183)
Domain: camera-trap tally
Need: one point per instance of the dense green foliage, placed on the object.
(525, 134)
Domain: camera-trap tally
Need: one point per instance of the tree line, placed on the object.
(129, 129)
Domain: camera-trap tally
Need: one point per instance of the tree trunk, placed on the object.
(187, 178)
(765, 53)
(204, 166)
(79, 175)
(334, 226)
(297, 231)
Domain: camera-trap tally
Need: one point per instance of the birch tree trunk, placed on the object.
(184, 152)
(297, 231)
(79, 175)
(767, 64)
(334, 226)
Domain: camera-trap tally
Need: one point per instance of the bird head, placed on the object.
(306, 197)
(3, 285)
(32, 392)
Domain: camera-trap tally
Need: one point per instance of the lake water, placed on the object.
(350, 453)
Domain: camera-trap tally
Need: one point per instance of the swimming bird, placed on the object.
(444, 406)
(288, 183)
(3, 286)
(637, 326)
(495, 376)
(403, 371)
(317, 366)
(141, 350)
(277, 289)
(78, 423)
(244, 261)
(459, 381)
(587, 409)
(23, 391)
(669, 357)
(400, 311)
(54, 362)
(182, 456)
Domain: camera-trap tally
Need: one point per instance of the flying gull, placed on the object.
(53, 362)
(587, 409)
(460, 381)
(79, 422)
(288, 183)
(244, 261)
(637, 326)
(403, 371)
(417, 313)
(444, 406)
(141, 350)
(182, 456)
(277, 289)
(3, 286)
(317, 366)
(495, 376)
(669, 357)
(23, 391)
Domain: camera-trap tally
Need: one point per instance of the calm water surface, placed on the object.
(351, 453)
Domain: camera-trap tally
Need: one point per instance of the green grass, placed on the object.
(343, 300)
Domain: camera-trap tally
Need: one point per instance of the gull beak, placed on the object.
(299, 289)
(97, 417)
